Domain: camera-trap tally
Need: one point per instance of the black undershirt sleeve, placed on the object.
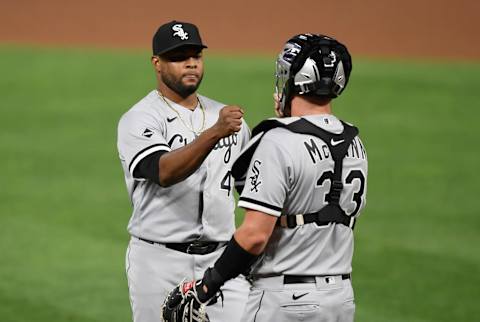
(148, 167)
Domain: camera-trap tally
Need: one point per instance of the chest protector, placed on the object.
(338, 145)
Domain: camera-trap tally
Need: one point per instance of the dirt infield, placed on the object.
(408, 28)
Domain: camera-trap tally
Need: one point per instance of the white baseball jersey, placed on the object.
(289, 174)
(200, 207)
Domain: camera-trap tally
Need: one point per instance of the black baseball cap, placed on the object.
(175, 34)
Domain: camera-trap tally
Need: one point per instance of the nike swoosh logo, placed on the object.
(334, 143)
(296, 297)
(169, 120)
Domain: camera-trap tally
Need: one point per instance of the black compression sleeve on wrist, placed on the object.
(148, 167)
(234, 261)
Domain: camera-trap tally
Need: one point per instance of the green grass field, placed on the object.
(64, 206)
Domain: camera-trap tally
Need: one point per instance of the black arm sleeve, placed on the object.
(148, 167)
(234, 261)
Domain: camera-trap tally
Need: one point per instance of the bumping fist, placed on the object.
(229, 120)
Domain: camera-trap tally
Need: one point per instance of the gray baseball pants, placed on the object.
(154, 270)
(329, 299)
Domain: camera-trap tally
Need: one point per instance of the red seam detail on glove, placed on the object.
(187, 286)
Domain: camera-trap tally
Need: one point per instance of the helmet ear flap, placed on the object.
(302, 42)
(339, 79)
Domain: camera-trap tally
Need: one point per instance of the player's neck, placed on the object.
(189, 102)
(302, 106)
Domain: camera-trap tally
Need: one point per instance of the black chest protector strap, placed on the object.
(338, 145)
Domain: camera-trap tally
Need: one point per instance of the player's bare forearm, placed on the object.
(177, 165)
(255, 231)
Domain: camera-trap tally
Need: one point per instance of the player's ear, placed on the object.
(156, 63)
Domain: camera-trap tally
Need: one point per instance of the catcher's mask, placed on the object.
(314, 65)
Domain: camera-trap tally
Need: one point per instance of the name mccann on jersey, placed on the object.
(356, 150)
(226, 142)
(315, 152)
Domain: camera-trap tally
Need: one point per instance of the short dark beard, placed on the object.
(178, 87)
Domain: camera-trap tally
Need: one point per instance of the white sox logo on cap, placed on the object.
(179, 32)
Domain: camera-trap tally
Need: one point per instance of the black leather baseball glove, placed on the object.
(183, 304)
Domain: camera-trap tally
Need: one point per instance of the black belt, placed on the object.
(194, 248)
(297, 279)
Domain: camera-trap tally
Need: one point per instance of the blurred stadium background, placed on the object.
(68, 70)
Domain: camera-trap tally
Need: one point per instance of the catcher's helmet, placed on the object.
(311, 65)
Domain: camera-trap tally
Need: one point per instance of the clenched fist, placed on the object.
(229, 120)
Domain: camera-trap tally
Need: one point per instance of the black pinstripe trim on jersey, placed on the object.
(259, 306)
(154, 148)
(260, 203)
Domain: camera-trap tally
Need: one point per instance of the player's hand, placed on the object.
(183, 303)
(276, 101)
(229, 120)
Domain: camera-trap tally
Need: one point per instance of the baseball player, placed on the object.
(306, 181)
(176, 148)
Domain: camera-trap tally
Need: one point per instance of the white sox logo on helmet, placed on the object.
(179, 32)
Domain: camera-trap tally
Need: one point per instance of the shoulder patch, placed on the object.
(254, 179)
(147, 133)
